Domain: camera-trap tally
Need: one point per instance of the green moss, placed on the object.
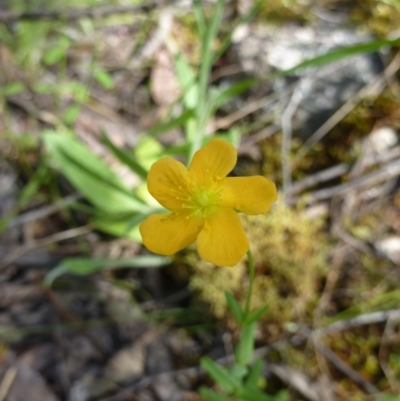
(379, 16)
(210, 283)
(290, 264)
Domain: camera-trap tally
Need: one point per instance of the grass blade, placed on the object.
(124, 157)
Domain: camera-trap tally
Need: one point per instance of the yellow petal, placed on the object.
(167, 182)
(167, 234)
(222, 240)
(215, 160)
(250, 195)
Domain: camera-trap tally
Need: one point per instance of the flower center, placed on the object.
(204, 200)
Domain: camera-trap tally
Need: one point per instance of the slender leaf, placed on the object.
(224, 96)
(119, 226)
(210, 395)
(13, 88)
(200, 18)
(254, 395)
(219, 374)
(90, 175)
(234, 307)
(252, 379)
(244, 20)
(343, 52)
(245, 347)
(58, 52)
(187, 81)
(124, 157)
(72, 113)
(171, 124)
(238, 372)
(103, 78)
(203, 80)
(87, 266)
(254, 316)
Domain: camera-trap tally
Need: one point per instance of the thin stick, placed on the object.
(287, 131)
(374, 87)
(44, 211)
(7, 382)
(75, 14)
(72, 233)
(340, 169)
(346, 369)
(387, 172)
(360, 320)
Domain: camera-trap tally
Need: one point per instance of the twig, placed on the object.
(360, 320)
(338, 170)
(374, 87)
(391, 170)
(7, 382)
(72, 233)
(265, 133)
(346, 369)
(297, 380)
(44, 211)
(249, 108)
(286, 122)
(75, 14)
(390, 375)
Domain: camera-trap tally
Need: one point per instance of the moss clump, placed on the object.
(377, 16)
(211, 282)
(290, 253)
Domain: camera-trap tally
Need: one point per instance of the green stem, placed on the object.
(207, 60)
(250, 259)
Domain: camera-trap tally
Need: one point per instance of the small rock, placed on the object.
(127, 365)
(90, 387)
(322, 91)
(390, 248)
(382, 139)
(29, 385)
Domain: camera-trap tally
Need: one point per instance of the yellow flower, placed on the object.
(204, 205)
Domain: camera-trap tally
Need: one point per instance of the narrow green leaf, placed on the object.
(200, 18)
(87, 266)
(103, 78)
(54, 55)
(171, 124)
(120, 225)
(234, 307)
(147, 151)
(225, 95)
(343, 52)
(43, 88)
(244, 20)
(72, 113)
(13, 88)
(238, 372)
(90, 175)
(58, 52)
(389, 398)
(245, 347)
(254, 316)
(254, 395)
(210, 395)
(252, 379)
(31, 189)
(203, 106)
(124, 157)
(187, 81)
(219, 374)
